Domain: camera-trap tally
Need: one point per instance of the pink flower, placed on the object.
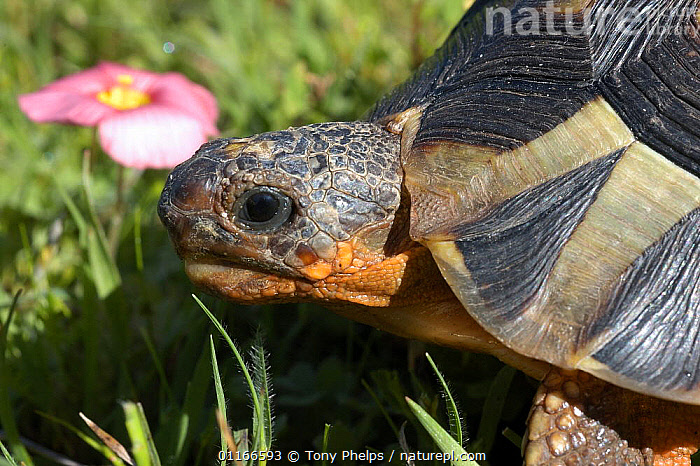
(144, 119)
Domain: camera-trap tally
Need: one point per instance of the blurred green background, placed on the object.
(270, 64)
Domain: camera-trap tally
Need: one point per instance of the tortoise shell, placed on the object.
(553, 174)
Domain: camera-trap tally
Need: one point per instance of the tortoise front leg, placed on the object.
(577, 420)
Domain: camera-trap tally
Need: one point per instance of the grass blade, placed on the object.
(7, 455)
(447, 444)
(262, 383)
(513, 436)
(142, 446)
(326, 437)
(138, 244)
(194, 406)
(257, 409)
(157, 363)
(105, 273)
(108, 440)
(229, 444)
(452, 410)
(75, 214)
(220, 399)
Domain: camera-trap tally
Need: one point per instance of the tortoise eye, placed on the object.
(262, 208)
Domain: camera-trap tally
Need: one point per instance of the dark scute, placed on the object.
(245, 162)
(280, 245)
(296, 167)
(516, 112)
(268, 165)
(320, 145)
(517, 88)
(318, 163)
(657, 91)
(654, 313)
(623, 28)
(501, 90)
(452, 55)
(511, 252)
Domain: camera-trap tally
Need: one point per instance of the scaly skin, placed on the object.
(577, 419)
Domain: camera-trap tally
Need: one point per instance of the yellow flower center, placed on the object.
(123, 96)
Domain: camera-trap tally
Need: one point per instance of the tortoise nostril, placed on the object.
(189, 189)
(191, 186)
(174, 221)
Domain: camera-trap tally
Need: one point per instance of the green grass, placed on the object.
(105, 315)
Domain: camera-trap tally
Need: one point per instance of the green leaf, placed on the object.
(452, 411)
(264, 390)
(142, 446)
(104, 272)
(7, 455)
(326, 436)
(220, 399)
(113, 444)
(258, 434)
(447, 444)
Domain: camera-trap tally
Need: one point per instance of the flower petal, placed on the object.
(87, 82)
(71, 99)
(153, 136)
(176, 91)
(48, 105)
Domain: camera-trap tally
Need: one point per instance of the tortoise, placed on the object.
(532, 191)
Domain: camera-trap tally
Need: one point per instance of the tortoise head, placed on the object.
(287, 215)
(316, 213)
